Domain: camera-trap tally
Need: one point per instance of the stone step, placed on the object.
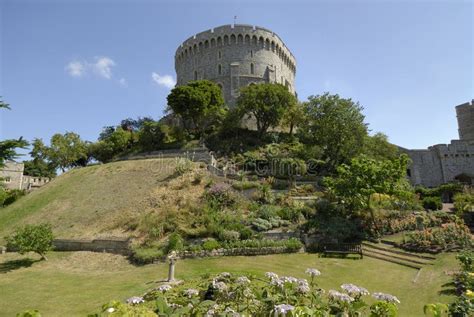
(392, 249)
(397, 256)
(392, 260)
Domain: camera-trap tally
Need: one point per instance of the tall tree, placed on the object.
(66, 150)
(8, 147)
(267, 103)
(355, 183)
(336, 125)
(199, 104)
(378, 147)
(293, 116)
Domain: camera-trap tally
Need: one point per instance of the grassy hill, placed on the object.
(100, 200)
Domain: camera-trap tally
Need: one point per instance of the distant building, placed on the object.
(13, 178)
(444, 163)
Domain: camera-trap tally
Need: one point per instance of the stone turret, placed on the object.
(235, 56)
(465, 114)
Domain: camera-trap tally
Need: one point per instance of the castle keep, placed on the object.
(234, 56)
(443, 163)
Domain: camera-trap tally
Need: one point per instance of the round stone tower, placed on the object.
(465, 114)
(235, 56)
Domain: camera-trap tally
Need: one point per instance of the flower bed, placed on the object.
(230, 295)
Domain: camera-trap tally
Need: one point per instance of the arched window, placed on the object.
(273, 46)
(233, 39)
(251, 53)
(226, 39)
(219, 69)
(195, 48)
(219, 54)
(206, 44)
(252, 69)
(240, 39)
(267, 44)
(195, 75)
(213, 42)
(261, 42)
(254, 40)
(200, 46)
(219, 41)
(247, 39)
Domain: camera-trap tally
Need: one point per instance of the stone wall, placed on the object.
(117, 246)
(235, 56)
(12, 175)
(442, 163)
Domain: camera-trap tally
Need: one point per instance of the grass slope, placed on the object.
(86, 202)
(75, 284)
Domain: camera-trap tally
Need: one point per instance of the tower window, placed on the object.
(251, 53)
(252, 69)
(219, 54)
(195, 75)
(219, 69)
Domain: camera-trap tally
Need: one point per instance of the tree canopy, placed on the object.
(267, 103)
(336, 125)
(199, 104)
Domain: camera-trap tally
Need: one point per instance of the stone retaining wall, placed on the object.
(116, 246)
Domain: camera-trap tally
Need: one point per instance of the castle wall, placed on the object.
(465, 115)
(234, 57)
(442, 163)
(12, 175)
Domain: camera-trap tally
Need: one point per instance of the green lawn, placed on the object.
(74, 284)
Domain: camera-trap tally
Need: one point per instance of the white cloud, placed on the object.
(166, 81)
(103, 66)
(76, 68)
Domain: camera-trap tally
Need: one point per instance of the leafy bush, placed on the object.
(210, 244)
(145, 255)
(229, 235)
(463, 203)
(432, 203)
(183, 165)
(12, 195)
(267, 212)
(221, 195)
(32, 238)
(175, 242)
(29, 313)
(244, 185)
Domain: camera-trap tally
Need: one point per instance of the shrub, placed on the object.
(463, 203)
(432, 203)
(450, 235)
(210, 244)
(32, 238)
(175, 242)
(268, 212)
(245, 233)
(183, 165)
(144, 255)
(12, 196)
(230, 235)
(244, 185)
(220, 194)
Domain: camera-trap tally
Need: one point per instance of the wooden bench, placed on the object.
(341, 248)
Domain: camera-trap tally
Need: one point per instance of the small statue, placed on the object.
(172, 257)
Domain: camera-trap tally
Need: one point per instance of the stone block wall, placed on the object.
(12, 175)
(117, 246)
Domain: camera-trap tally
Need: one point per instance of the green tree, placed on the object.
(8, 147)
(199, 104)
(32, 238)
(378, 147)
(151, 136)
(267, 103)
(66, 150)
(355, 184)
(116, 143)
(293, 117)
(336, 125)
(39, 166)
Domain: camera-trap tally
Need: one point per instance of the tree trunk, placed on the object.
(43, 256)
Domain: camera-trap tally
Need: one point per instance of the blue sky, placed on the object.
(80, 65)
